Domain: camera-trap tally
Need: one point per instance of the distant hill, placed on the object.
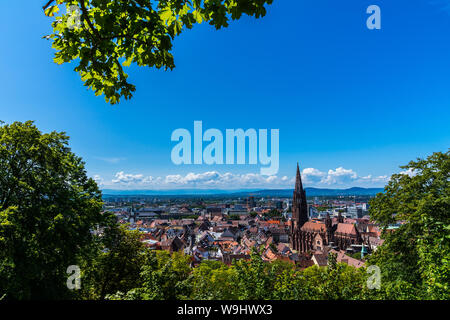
(310, 192)
(316, 192)
(173, 192)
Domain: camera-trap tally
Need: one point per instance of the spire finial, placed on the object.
(298, 180)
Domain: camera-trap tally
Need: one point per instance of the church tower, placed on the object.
(299, 204)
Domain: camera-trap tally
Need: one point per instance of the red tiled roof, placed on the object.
(346, 228)
(314, 226)
(343, 258)
(320, 259)
(375, 230)
(376, 241)
(270, 255)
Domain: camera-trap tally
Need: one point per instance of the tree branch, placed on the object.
(48, 4)
(85, 16)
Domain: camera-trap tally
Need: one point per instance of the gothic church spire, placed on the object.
(299, 204)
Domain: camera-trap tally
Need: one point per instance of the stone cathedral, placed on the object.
(311, 235)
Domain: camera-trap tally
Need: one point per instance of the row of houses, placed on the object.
(216, 237)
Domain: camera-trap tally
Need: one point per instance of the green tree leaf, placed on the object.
(51, 11)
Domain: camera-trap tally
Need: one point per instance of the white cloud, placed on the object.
(129, 179)
(375, 179)
(410, 172)
(98, 179)
(229, 180)
(312, 176)
(204, 180)
(339, 177)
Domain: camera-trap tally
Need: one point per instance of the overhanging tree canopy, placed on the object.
(103, 36)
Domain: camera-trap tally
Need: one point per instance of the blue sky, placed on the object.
(351, 104)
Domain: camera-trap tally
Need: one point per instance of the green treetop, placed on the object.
(49, 209)
(415, 258)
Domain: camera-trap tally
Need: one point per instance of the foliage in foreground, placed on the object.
(415, 258)
(48, 208)
(50, 218)
(169, 276)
